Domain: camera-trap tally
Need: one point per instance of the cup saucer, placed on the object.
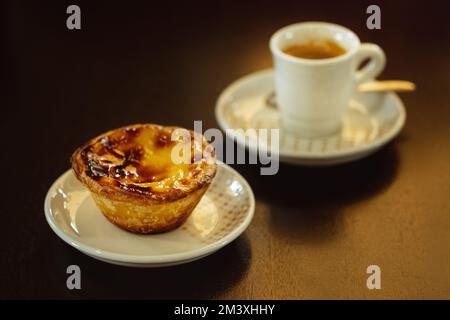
(222, 215)
(370, 121)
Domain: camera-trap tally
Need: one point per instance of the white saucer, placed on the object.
(222, 215)
(371, 121)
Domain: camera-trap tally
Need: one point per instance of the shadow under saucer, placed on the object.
(202, 279)
(307, 203)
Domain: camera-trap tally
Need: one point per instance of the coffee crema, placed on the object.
(315, 50)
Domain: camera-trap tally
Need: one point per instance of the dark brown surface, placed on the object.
(315, 231)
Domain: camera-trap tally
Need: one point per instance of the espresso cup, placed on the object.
(313, 94)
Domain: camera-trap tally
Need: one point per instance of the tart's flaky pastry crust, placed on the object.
(134, 180)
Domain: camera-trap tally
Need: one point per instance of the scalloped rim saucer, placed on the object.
(224, 212)
(370, 122)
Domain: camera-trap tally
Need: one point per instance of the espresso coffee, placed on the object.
(315, 50)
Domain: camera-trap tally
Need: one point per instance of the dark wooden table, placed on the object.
(315, 231)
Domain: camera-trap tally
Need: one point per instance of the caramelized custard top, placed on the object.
(138, 159)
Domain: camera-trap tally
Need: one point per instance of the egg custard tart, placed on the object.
(137, 183)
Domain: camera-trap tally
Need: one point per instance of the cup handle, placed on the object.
(376, 64)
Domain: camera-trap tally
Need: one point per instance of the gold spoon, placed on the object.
(387, 85)
(374, 86)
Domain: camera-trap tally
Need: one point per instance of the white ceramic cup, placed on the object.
(312, 94)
